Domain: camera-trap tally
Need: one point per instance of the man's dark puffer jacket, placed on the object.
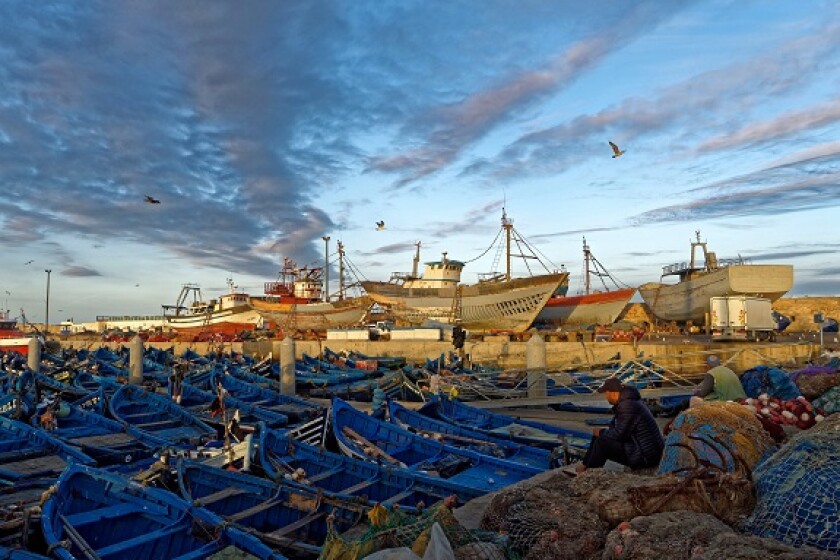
(635, 427)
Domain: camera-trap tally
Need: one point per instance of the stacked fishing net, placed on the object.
(395, 529)
(798, 490)
(829, 401)
(719, 435)
(618, 497)
(732, 546)
(813, 380)
(546, 521)
(675, 535)
(772, 381)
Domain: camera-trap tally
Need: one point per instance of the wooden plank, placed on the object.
(220, 495)
(348, 431)
(290, 528)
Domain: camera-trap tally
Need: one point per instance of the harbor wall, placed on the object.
(685, 357)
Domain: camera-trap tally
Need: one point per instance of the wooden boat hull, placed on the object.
(295, 409)
(507, 305)
(289, 518)
(229, 321)
(465, 437)
(110, 517)
(27, 452)
(600, 308)
(420, 454)
(312, 316)
(528, 432)
(280, 455)
(689, 300)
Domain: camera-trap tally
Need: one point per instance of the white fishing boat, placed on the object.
(229, 314)
(688, 298)
(496, 302)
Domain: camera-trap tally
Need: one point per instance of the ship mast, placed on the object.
(326, 239)
(507, 225)
(587, 285)
(340, 271)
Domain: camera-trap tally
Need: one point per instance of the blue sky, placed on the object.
(263, 126)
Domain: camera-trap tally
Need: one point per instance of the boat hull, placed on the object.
(226, 321)
(601, 308)
(689, 300)
(509, 305)
(313, 316)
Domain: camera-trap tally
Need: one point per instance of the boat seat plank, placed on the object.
(159, 424)
(291, 527)
(35, 465)
(356, 487)
(112, 439)
(220, 495)
(140, 540)
(397, 498)
(107, 512)
(253, 510)
(324, 475)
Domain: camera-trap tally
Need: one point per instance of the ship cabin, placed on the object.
(693, 269)
(437, 274)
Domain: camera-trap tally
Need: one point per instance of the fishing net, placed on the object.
(675, 535)
(815, 380)
(829, 401)
(731, 546)
(394, 529)
(546, 520)
(718, 435)
(232, 553)
(769, 380)
(618, 497)
(798, 490)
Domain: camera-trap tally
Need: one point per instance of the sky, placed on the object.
(263, 126)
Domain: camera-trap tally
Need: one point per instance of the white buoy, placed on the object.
(535, 359)
(33, 357)
(135, 376)
(287, 366)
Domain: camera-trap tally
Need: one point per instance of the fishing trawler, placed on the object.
(298, 300)
(688, 298)
(593, 306)
(496, 302)
(230, 314)
(11, 338)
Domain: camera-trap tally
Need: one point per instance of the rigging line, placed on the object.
(535, 251)
(611, 277)
(492, 244)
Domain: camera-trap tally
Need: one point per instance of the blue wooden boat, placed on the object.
(46, 385)
(106, 441)
(204, 405)
(18, 525)
(460, 436)
(387, 362)
(106, 516)
(535, 434)
(19, 554)
(27, 452)
(289, 518)
(365, 437)
(280, 457)
(157, 415)
(295, 409)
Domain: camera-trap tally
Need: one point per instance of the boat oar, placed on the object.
(377, 452)
(78, 539)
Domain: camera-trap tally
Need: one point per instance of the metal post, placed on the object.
(535, 358)
(47, 317)
(287, 366)
(135, 376)
(326, 239)
(340, 271)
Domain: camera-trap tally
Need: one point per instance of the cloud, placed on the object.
(391, 249)
(79, 272)
(787, 255)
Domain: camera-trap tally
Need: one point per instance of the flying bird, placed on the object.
(380, 225)
(616, 151)
(28, 262)
(151, 200)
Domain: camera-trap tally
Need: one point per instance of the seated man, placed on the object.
(719, 384)
(632, 438)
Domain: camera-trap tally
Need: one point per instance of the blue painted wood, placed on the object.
(289, 518)
(106, 515)
(199, 403)
(157, 415)
(28, 452)
(296, 409)
(421, 454)
(280, 455)
(461, 436)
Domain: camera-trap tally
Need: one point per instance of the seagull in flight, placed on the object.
(380, 225)
(616, 151)
(28, 262)
(151, 200)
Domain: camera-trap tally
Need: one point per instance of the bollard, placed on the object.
(535, 358)
(249, 449)
(135, 376)
(33, 356)
(287, 366)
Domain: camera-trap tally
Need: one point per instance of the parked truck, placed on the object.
(741, 318)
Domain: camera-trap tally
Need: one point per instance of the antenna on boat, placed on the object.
(507, 225)
(326, 239)
(586, 267)
(416, 261)
(340, 271)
